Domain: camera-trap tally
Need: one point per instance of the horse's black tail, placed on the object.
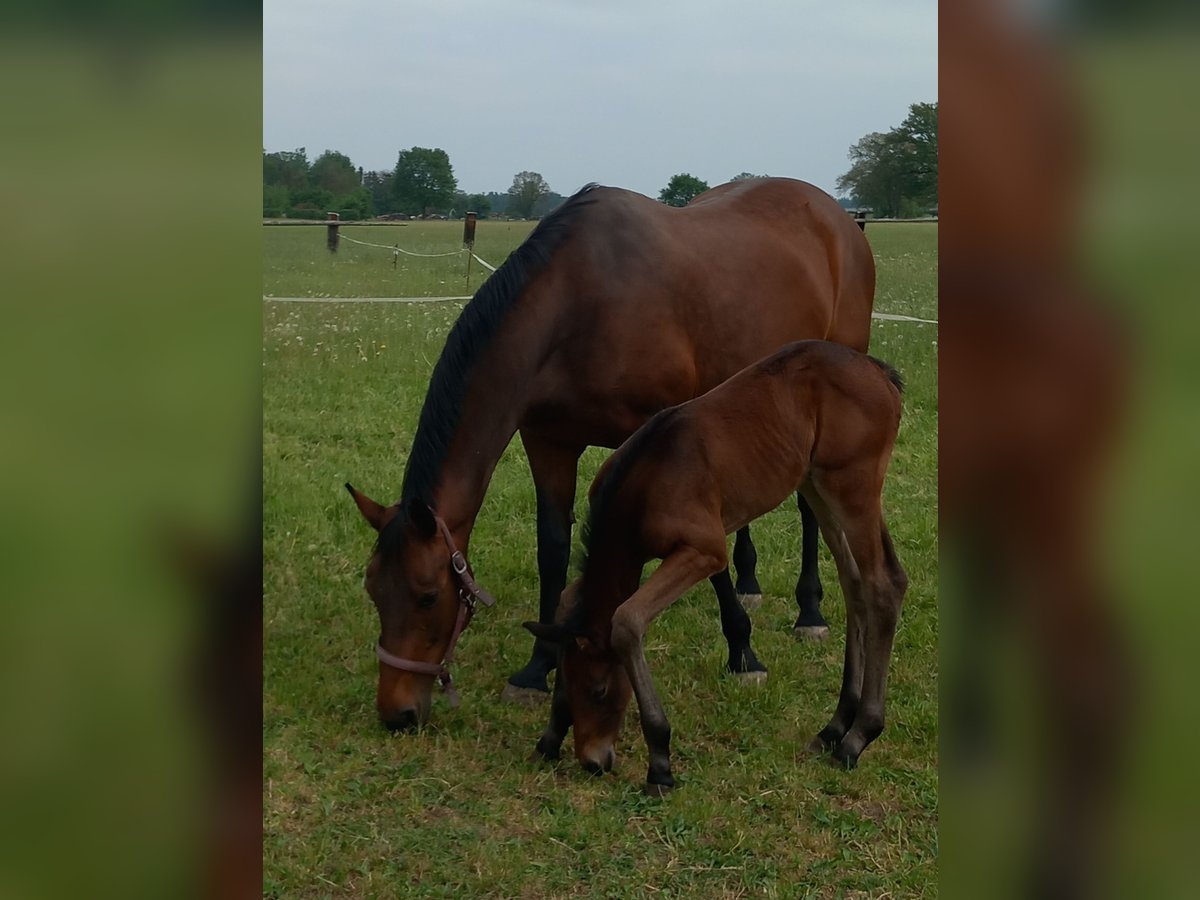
(893, 376)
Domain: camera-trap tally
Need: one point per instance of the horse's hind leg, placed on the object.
(735, 623)
(810, 624)
(555, 470)
(745, 560)
(852, 667)
(883, 585)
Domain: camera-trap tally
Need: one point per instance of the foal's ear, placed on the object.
(374, 513)
(422, 518)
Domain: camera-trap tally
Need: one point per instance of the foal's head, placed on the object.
(595, 685)
(409, 580)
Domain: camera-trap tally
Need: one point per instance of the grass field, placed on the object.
(456, 809)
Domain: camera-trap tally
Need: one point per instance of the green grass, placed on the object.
(456, 809)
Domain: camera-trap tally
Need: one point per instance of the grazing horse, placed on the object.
(614, 308)
(814, 416)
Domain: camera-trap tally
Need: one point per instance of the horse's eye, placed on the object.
(427, 600)
(599, 692)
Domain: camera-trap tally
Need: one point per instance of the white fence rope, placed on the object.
(398, 249)
(266, 299)
(483, 262)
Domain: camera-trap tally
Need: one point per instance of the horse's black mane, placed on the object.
(468, 339)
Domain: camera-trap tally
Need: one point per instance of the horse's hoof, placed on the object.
(811, 632)
(750, 601)
(523, 696)
(816, 747)
(537, 757)
(751, 677)
(650, 789)
(843, 757)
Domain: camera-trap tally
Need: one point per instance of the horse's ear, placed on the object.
(374, 513)
(422, 518)
(554, 632)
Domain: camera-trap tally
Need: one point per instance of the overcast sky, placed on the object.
(623, 93)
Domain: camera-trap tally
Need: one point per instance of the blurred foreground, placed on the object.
(1067, 173)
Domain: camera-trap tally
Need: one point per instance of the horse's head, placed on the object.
(595, 684)
(410, 580)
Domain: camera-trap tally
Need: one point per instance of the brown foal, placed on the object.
(815, 416)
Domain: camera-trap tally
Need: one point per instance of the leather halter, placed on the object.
(469, 593)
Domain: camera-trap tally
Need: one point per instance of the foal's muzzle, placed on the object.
(401, 720)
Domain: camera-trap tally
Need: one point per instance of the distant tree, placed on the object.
(476, 203)
(682, 189)
(423, 181)
(334, 172)
(527, 189)
(379, 185)
(746, 176)
(895, 172)
(548, 204)
(276, 199)
(499, 202)
(287, 167)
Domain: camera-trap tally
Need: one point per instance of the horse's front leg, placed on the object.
(555, 468)
(735, 624)
(678, 572)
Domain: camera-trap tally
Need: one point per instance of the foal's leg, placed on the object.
(555, 468)
(735, 623)
(884, 584)
(745, 559)
(852, 667)
(550, 745)
(810, 624)
(678, 572)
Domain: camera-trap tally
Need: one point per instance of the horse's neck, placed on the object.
(614, 573)
(495, 401)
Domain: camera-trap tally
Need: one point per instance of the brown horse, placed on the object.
(615, 307)
(816, 417)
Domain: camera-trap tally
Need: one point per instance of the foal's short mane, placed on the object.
(893, 375)
(468, 339)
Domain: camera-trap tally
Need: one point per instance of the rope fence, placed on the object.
(890, 317)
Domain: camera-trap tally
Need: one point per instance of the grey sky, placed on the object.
(624, 93)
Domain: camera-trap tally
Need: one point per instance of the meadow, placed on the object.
(456, 809)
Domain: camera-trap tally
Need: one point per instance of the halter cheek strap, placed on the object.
(469, 593)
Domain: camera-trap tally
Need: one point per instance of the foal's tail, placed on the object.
(890, 371)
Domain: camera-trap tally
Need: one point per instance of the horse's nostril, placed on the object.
(401, 720)
(601, 765)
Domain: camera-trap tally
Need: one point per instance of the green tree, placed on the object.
(895, 172)
(682, 189)
(423, 181)
(527, 189)
(287, 167)
(379, 185)
(334, 172)
(747, 176)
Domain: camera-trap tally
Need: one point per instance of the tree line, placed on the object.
(893, 173)
(421, 184)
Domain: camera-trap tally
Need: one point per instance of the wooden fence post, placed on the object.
(331, 238)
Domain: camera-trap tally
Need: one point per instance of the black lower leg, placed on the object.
(735, 625)
(745, 560)
(808, 588)
(554, 548)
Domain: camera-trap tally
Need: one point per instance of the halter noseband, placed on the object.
(469, 593)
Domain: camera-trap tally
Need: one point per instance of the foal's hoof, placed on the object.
(751, 677)
(811, 632)
(650, 789)
(750, 601)
(524, 696)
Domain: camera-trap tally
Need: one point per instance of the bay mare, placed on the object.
(816, 417)
(615, 307)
